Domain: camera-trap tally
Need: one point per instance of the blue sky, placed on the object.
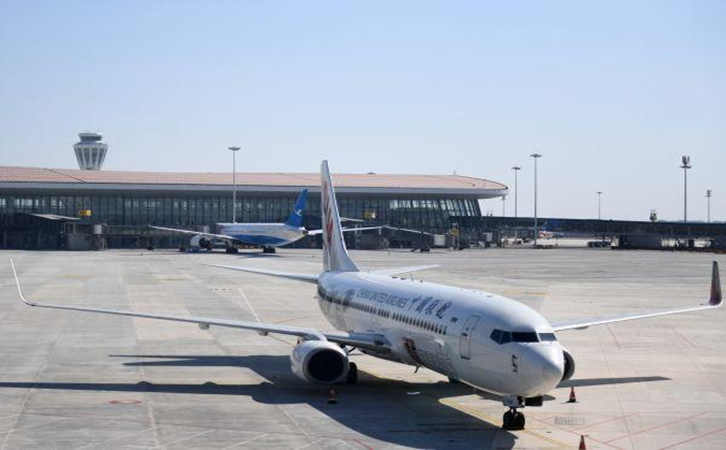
(612, 93)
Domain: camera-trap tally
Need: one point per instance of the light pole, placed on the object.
(234, 183)
(599, 194)
(515, 169)
(708, 204)
(686, 160)
(536, 156)
(504, 208)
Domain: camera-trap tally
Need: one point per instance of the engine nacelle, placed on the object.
(319, 362)
(199, 241)
(569, 365)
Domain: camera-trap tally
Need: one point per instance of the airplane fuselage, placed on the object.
(448, 330)
(263, 234)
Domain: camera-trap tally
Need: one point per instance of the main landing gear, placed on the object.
(352, 374)
(268, 250)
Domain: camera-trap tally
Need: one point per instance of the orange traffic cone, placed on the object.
(332, 397)
(582, 446)
(572, 399)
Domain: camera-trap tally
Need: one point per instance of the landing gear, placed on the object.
(231, 250)
(513, 420)
(268, 250)
(352, 374)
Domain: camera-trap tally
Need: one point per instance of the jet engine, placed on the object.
(199, 241)
(319, 362)
(569, 365)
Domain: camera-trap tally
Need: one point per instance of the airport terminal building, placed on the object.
(124, 203)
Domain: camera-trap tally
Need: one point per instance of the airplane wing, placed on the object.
(316, 232)
(195, 233)
(275, 273)
(408, 230)
(360, 340)
(399, 270)
(715, 301)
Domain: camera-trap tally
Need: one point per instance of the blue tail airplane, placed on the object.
(265, 235)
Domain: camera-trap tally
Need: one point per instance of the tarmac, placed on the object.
(79, 380)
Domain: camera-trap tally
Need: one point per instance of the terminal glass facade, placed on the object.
(430, 214)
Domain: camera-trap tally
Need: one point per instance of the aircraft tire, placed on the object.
(352, 374)
(508, 420)
(519, 421)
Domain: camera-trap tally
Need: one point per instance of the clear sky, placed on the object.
(612, 93)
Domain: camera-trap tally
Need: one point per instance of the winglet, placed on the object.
(17, 283)
(716, 297)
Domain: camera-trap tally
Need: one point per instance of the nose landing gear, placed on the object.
(513, 420)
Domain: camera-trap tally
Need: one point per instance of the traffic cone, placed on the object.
(332, 397)
(572, 399)
(582, 446)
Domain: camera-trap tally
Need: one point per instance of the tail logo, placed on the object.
(328, 216)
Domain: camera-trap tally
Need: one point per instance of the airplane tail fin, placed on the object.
(295, 219)
(335, 255)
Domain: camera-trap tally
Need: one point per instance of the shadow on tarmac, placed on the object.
(392, 411)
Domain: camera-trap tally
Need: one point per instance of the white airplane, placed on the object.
(266, 235)
(484, 340)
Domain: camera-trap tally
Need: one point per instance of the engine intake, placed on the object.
(199, 241)
(569, 366)
(319, 362)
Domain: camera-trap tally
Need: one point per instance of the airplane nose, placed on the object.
(547, 367)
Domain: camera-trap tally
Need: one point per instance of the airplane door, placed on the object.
(465, 339)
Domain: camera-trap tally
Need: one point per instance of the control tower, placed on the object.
(90, 151)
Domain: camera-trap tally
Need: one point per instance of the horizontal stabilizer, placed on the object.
(399, 270)
(223, 237)
(275, 273)
(344, 230)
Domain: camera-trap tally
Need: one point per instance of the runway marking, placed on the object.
(577, 434)
(494, 422)
(684, 338)
(685, 441)
(655, 427)
(617, 342)
(246, 441)
(604, 421)
(115, 439)
(185, 438)
(308, 444)
(183, 425)
(249, 305)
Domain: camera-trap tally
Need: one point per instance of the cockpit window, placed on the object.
(496, 334)
(524, 336)
(547, 337)
(501, 337)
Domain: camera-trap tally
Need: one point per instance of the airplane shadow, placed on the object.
(408, 414)
(390, 411)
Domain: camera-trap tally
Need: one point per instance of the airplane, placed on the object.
(484, 340)
(267, 235)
